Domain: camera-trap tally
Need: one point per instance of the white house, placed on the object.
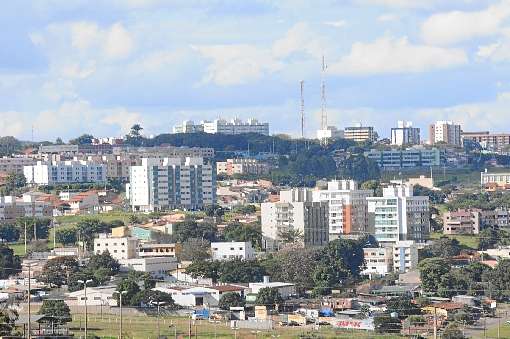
(64, 172)
(232, 250)
(378, 261)
(285, 289)
(119, 247)
(96, 296)
(156, 266)
(194, 296)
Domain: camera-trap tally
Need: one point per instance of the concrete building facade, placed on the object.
(229, 250)
(405, 256)
(378, 261)
(445, 132)
(64, 172)
(405, 134)
(118, 247)
(241, 166)
(360, 133)
(168, 183)
(295, 212)
(391, 159)
(399, 215)
(348, 207)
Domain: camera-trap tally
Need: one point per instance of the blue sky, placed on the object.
(70, 67)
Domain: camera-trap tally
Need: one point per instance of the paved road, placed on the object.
(477, 331)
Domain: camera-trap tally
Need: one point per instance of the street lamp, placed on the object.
(158, 303)
(120, 303)
(86, 313)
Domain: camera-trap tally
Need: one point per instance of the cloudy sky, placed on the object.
(74, 66)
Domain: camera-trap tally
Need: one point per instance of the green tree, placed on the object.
(195, 249)
(403, 306)
(499, 280)
(431, 272)
(104, 261)
(130, 286)
(240, 232)
(57, 271)
(10, 264)
(204, 269)
(293, 264)
(150, 298)
(360, 168)
(268, 297)
(231, 299)
(135, 131)
(87, 230)
(66, 236)
(290, 236)
(57, 309)
(9, 233)
(7, 319)
(83, 139)
(15, 181)
(41, 224)
(240, 271)
(443, 247)
(190, 229)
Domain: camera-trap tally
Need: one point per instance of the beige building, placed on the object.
(495, 181)
(241, 166)
(118, 247)
(159, 250)
(295, 212)
(348, 207)
(15, 164)
(378, 261)
(462, 221)
(12, 208)
(445, 132)
(360, 133)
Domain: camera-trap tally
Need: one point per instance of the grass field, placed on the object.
(470, 241)
(106, 217)
(146, 327)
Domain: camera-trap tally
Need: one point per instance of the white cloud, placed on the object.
(84, 34)
(336, 24)
(118, 42)
(123, 119)
(401, 3)
(12, 123)
(77, 71)
(299, 38)
(237, 64)
(489, 115)
(388, 17)
(391, 55)
(457, 26)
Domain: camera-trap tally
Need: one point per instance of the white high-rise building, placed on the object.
(445, 132)
(168, 183)
(405, 134)
(399, 215)
(348, 207)
(296, 211)
(405, 256)
(222, 126)
(65, 172)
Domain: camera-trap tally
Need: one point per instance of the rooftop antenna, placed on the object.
(302, 83)
(324, 115)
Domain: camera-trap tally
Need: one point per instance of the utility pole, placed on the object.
(25, 237)
(435, 323)
(86, 313)
(120, 293)
(29, 288)
(302, 84)
(35, 231)
(54, 233)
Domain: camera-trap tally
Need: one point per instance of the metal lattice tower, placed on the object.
(324, 114)
(302, 84)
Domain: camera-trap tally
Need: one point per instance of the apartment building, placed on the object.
(296, 211)
(187, 126)
(159, 250)
(12, 208)
(378, 261)
(462, 221)
(360, 133)
(168, 183)
(14, 164)
(348, 207)
(399, 215)
(405, 134)
(65, 172)
(495, 181)
(229, 250)
(445, 132)
(488, 140)
(222, 126)
(118, 247)
(241, 166)
(331, 132)
(405, 256)
(392, 159)
(164, 152)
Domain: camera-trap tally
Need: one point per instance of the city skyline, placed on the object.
(73, 68)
